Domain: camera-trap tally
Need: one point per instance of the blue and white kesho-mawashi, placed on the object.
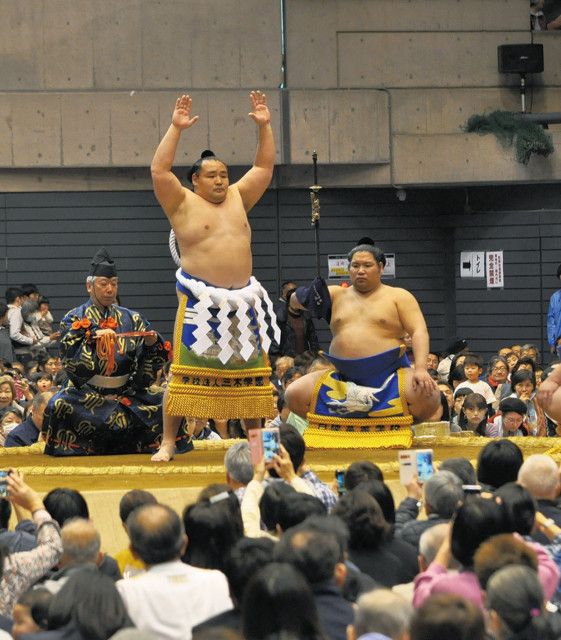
(253, 296)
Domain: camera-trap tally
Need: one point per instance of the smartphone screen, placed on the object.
(340, 477)
(424, 465)
(271, 443)
(3, 486)
(415, 462)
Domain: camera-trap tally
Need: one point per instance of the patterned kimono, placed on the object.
(107, 408)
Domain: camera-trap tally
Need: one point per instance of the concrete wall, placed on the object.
(380, 90)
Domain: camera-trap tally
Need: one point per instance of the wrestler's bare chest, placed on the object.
(364, 324)
(215, 241)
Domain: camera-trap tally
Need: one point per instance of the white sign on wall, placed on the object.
(472, 264)
(389, 269)
(495, 271)
(338, 267)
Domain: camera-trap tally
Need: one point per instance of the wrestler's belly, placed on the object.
(360, 344)
(226, 270)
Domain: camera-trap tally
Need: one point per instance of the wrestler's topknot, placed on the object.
(367, 244)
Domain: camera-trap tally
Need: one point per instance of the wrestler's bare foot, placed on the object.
(165, 452)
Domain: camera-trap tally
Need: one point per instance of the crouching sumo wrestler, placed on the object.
(373, 396)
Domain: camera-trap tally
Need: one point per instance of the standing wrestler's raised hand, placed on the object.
(181, 117)
(260, 114)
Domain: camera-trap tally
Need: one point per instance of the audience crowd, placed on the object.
(275, 552)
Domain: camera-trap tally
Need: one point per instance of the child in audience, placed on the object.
(474, 413)
(459, 397)
(42, 381)
(473, 368)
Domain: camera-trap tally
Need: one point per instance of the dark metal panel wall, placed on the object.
(51, 238)
(524, 222)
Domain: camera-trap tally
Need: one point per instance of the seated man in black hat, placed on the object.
(111, 357)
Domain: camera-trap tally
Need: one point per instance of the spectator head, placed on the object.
(360, 471)
(513, 412)
(38, 406)
(7, 391)
(530, 351)
(290, 375)
(525, 364)
(432, 360)
(459, 398)
(287, 287)
(132, 500)
(293, 442)
(448, 392)
(447, 616)
(558, 272)
(156, 534)
(246, 557)
(498, 369)
(295, 510)
(502, 551)
(381, 493)
(64, 504)
(10, 417)
(429, 544)
(282, 364)
(30, 291)
(212, 529)
(461, 467)
(42, 380)
(364, 518)
(14, 296)
(443, 494)
(222, 496)
(381, 611)
(519, 508)
(269, 505)
(540, 475)
(50, 364)
(473, 366)
(498, 463)
(523, 383)
(474, 411)
(91, 601)
(456, 376)
(316, 554)
(237, 461)
(81, 543)
(278, 602)
(319, 364)
(515, 601)
(455, 345)
(511, 358)
(442, 413)
(476, 520)
(332, 527)
(30, 612)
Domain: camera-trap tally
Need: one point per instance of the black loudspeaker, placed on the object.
(520, 58)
